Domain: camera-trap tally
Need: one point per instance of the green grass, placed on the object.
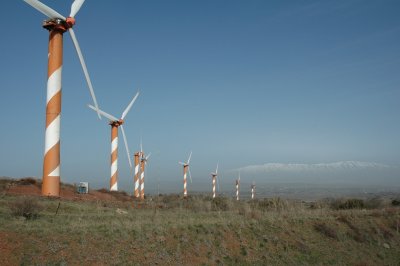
(199, 231)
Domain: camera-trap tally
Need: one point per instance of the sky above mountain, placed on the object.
(249, 84)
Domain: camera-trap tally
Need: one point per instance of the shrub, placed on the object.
(374, 203)
(325, 230)
(272, 204)
(244, 209)
(27, 207)
(27, 181)
(348, 204)
(220, 204)
(197, 203)
(396, 202)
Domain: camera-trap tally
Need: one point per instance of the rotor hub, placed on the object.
(70, 22)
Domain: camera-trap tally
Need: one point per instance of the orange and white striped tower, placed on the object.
(51, 163)
(136, 177)
(185, 168)
(143, 162)
(237, 187)
(114, 154)
(214, 181)
(57, 24)
(213, 185)
(142, 168)
(253, 190)
(185, 171)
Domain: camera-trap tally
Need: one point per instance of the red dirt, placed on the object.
(66, 192)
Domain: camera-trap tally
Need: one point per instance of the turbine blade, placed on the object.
(126, 147)
(141, 145)
(112, 118)
(190, 156)
(76, 5)
(216, 171)
(129, 106)
(190, 175)
(85, 71)
(148, 156)
(51, 13)
(218, 183)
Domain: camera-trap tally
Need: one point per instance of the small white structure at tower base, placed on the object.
(83, 188)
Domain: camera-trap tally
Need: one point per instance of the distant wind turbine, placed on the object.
(253, 190)
(237, 187)
(185, 170)
(143, 162)
(115, 123)
(214, 180)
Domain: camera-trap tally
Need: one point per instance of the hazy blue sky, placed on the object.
(239, 82)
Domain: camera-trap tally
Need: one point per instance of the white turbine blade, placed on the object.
(181, 163)
(85, 71)
(190, 175)
(190, 156)
(216, 171)
(76, 5)
(129, 106)
(141, 146)
(217, 183)
(51, 13)
(126, 147)
(148, 156)
(112, 118)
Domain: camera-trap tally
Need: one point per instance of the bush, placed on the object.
(374, 203)
(326, 230)
(27, 207)
(396, 202)
(220, 204)
(341, 204)
(271, 204)
(27, 181)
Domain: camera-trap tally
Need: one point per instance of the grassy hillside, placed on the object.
(168, 230)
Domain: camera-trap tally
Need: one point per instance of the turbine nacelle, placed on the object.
(144, 159)
(116, 123)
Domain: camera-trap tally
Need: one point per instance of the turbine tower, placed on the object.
(115, 123)
(143, 162)
(214, 179)
(253, 190)
(136, 191)
(57, 24)
(237, 187)
(185, 170)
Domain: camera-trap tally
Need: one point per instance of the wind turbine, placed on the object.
(253, 190)
(115, 123)
(143, 162)
(237, 187)
(185, 170)
(214, 179)
(57, 25)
